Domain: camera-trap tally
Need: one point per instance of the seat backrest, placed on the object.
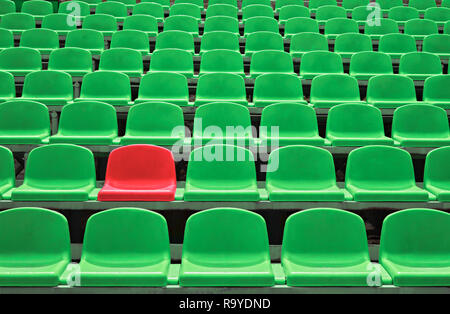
(48, 84)
(437, 14)
(422, 4)
(371, 62)
(113, 8)
(297, 25)
(403, 14)
(397, 43)
(219, 40)
(58, 22)
(100, 22)
(85, 38)
(130, 38)
(149, 8)
(256, 10)
(17, 21)
(436, 43)
(361, 13)
(185, 9)
(279, 87)
(39, 38)
(352, 42)
(121, 60)
(385, 26)
(221, 86)
(141, 22)
(24, 117)
(290, 11)
(271, 61)
(437, 171)
(163, 85)
(172, 59)
(261, 24)
(181, 23)
(382, 87)
(20, 58)
(198, 3)
(229, 2)
(221, 23)
(351, 4)
(6, 37)
(66, 59)
(321, 62)
(221, 60)
(420, 27)
(279, 4)
(7, 7)
(175, 39)
(435, 88)
(341, 25)
(246, 3)
(387, 4)
(7, 85)
(71, 7)
(7, 171)
(164, 3)
(37, 7)
(327, 12)
(420, 63)
(304, 42)
(222, 10)
(334, 87)
(314, 4)
(106, 84)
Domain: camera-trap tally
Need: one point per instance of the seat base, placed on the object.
(111, 194)
(418, 276)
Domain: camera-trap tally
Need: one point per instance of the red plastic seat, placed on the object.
(139, 173)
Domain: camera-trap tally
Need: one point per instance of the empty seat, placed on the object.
(74, 61)
(445, 3)
(420, 125)
(6, 38)
(337, 26)
(69, 177)
(139, 173)
(166, 127)
(256, 10)
(175, 39)
(93, 3)
(44, 40)
(198, 3)
(420, 28)
(402, 14)
(221, 60)
(439, 15)
(183, 23)
(220, 87)
(355, 125)
(7, 86)
(104, 23)
(382, 173)
(221, 173)
(172, 60)
(35, 246)
(328, 12)
(187, 9)
(271, 61)
(328, 90)
(315, 4)
(435, 91)
(7, 7)
(91, 40)
(287, 123)
(263, 41)
(348, 44)
(365, 64)
(110, 243)
(221, 23)
(87, 123)
(144, 23)
(246, 3)
(390, 91)
(7, 172)
(219, 40)
(124, 60)
(17, 22)
(436, 178)
(305, 42)
(235, 244)
(38, 9)
(320, 62)
(260, 24)
(164, 3)
(128, 3)
(229, 2)
(114, 8)
(447, 28)
(291, 11)
(298, 25)
(280, 4)
(78, 9)
(132, 39)
(221, 10)
(106, 86)
(395, 45)
(422, 5)
(438, 44)
(149, 8)
(59, 23)
(385, 5)
(420, 65)
(20, 61)
(273, 88)
(414, 247)
(164, 86)
(349, 5)
(385, 26)
(361, 14)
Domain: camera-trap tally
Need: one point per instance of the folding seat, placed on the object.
(315, 4)
(6, 37)
(224, 123)
(337, 26)
(223, 61)
(7, 172)
(298, 25)
(435, 91)
(175, 39)
(164, 86)
(58, 22)
(116, 9)
(246, 3)
(360, 14)
(422, 5)
(172, 60)
(271, 61)
(395, 45)
(20, 61)
(438, 44)
(186, 9)
(104, 23)
(390, 91)
(414, 247)
(128, 3)
(320, 62)
(133, 39)
(110, 243)
(124, 60)
(365, 64)
(260, 24)
(44, 40)
(221, 23)
(219, 40)
(382, 174)
(7, 87)
(436, 178)
(256, 10)
(386, 5)
(263, 41)
(279, 4)
(166, 127)
(74, 61)
(328, 90)
(420, 65)
(419, 125)
(48, 87)
(17, 22)
(151, 9)
(356, 125)
(88, 39)
(305, 42)
(70, 176)
(386, 26)
(235, 244)
(23, 122)
(295, 124)
(420, 28)
(348, 44)
(164, 3)
(221, 10)
(79, 9)
(145, 23)
(183, 23)
(38, 9)
(7, 7)
(403, 14)
(106, 86)
(220, 87)
(92, 3)
(35, 245)
(291, 11)
(349, 5)
(198, 3)
(274, 88)
(228, 2)
(328, 12)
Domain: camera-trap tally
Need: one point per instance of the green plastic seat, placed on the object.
(38, 9)
(183, 23)
(140, 22)
(48, 87)
(23, 122)
(198, 3)
(298, 25)
(168, 87)
(382, 174)
(365, 64)
(260, 24)
(420, 125)
(254, 10)
(306, 42)
(125, 247)
(124, 60)
(225, 123)
(164, 3)
(360, 14)
(222, 61)
(271, 61)
(172, 60)
(348, 44)
(70, 176)
(106, 86)
(395, 45)
(44, 40)
(328, 12)
(6, 37)
(34, 246)
(422, 5)
(334, 254)
(438, 44)
(104, 23)
(74, 61)
(20, 61)
(221, 23)
(386, 5)
(420, 28)
(390, 91)
(221, 173)
(337, 26)
(229, 2)
(7, 172)
(328, 90)
(88, 39)
(7, 6)
(220, 87)
(186, 9)
(445, 3)
(149, 8)
(280, 4)
(7, 86)
(92, 3)
(288, 123)
(166, 127)
(263, 41)
(435, 91)
(356, 125)
(114, 8)
(133, 39)
(414, 247)
(128, 3)
(447, 28)
(420, 65)
(58, 22)
(236, 252)
(222, 10)
(274, 88)
(175, 39)
(246, 3)
(439, 15)
(219, 40)
(436, 178)
(315, 4)
(17, 22)
(349, 5)
(403, 14)
(79, 9)
(386, 26)
(320, 62)
(291, 11)
(87, 123)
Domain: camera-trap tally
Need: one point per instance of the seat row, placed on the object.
(224, 247)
